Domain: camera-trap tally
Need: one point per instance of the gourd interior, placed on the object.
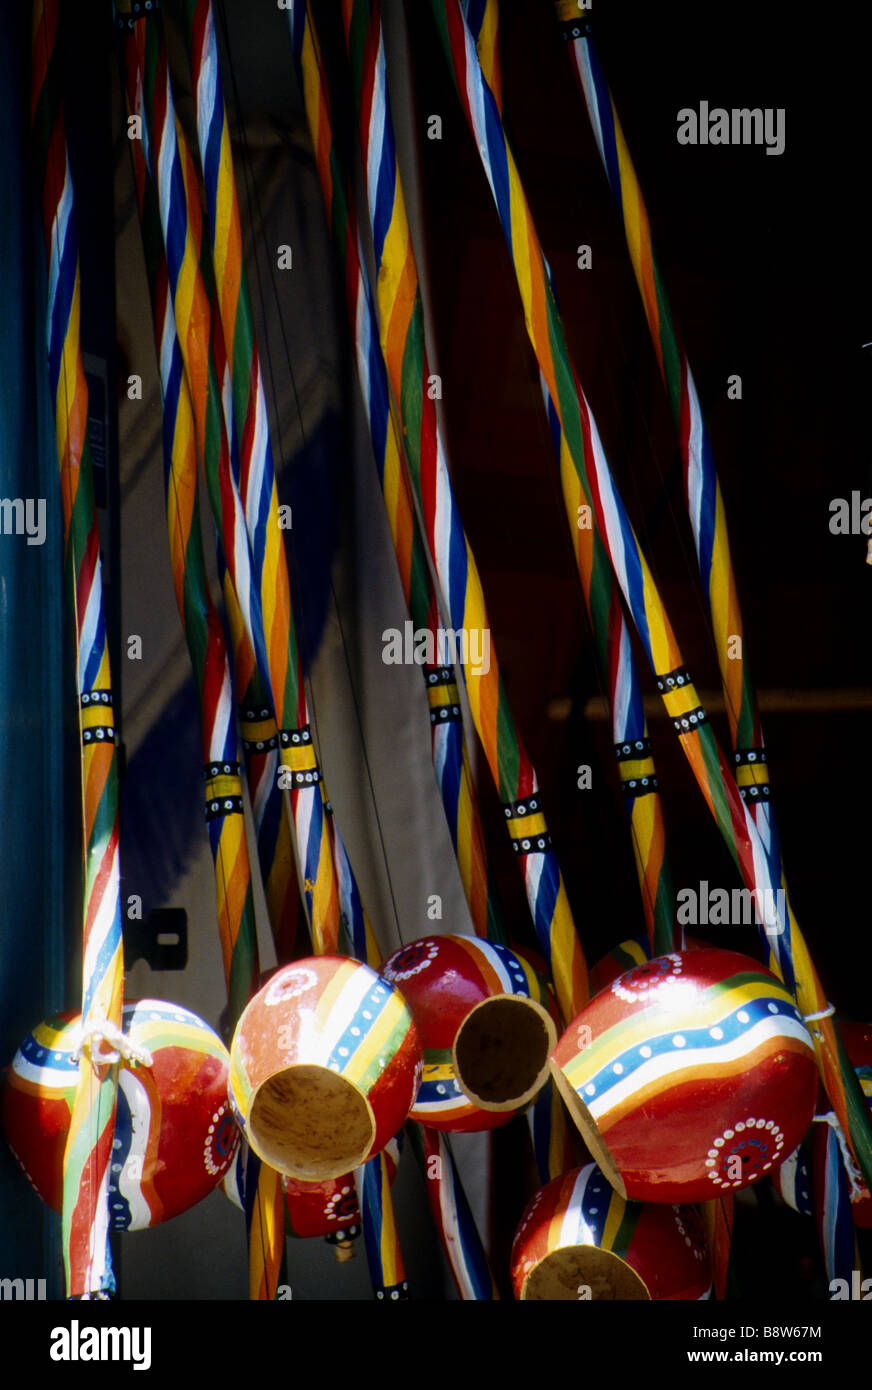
(310, 1123)
(501, 1051)
(583, 1272)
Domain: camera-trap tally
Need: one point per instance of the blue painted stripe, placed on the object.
(696, 1039)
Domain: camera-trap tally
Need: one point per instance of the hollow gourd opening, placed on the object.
(596, 1144)
(310, 1123)
(501, 1052)
(581, 1273)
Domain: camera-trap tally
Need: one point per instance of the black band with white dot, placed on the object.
(228, 769)
(310, 778)
(341, 1237)
(633, 749)
(445, 714)
(223, 806)
(251, 716)
(295, 738)
(749, 756)
(533, 844)
(99, 733)
(136, 9)
(439, 675)
(527, 806)
(571, 29)
(260, 745)
(674, 680)
(686, 723)
(89, 698)
(639, 786)
(757, 791)
(393, 1293)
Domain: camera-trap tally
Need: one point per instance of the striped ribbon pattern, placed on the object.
(402, 339)
(448, 744)
(87, 1261)
(781, 933)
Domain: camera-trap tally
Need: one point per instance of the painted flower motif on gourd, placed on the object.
(639, 984)
(412, 959)
(288, 984)
(757, 1144)
(342, 1206)
(220, 1141)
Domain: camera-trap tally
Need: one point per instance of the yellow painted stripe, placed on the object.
(614, 1218)
(376, 1040)
(97, 716)
(300, 757)
(224, 785)
(333, 990)
(258, 730)
(522, 827)
(635, 767)
(750, 774)
(681, 700)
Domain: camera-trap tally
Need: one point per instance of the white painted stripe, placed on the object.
(378, 115)
(581, 58)
(140, 1121)
(90, 621)
(574, 1230)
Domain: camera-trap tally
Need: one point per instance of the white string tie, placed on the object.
(821, 1013)
(101, 1030)
(853, 1172)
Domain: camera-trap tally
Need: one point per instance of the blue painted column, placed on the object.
(40, 816)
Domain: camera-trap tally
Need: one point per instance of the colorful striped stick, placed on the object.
(402, 339)
(268, 804)
(379, 1229)
(255, 562)
(553, 1139)
(448, 1202)
(702, 490)
(832, 1207)
(448, 748)
(87, 1261)
(202, 626)
(452, 1215)
(781, 932)
(448, 744)
(205, 638)
(703, 495)
(607, 619)
(202, 348)
(558, 1143)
